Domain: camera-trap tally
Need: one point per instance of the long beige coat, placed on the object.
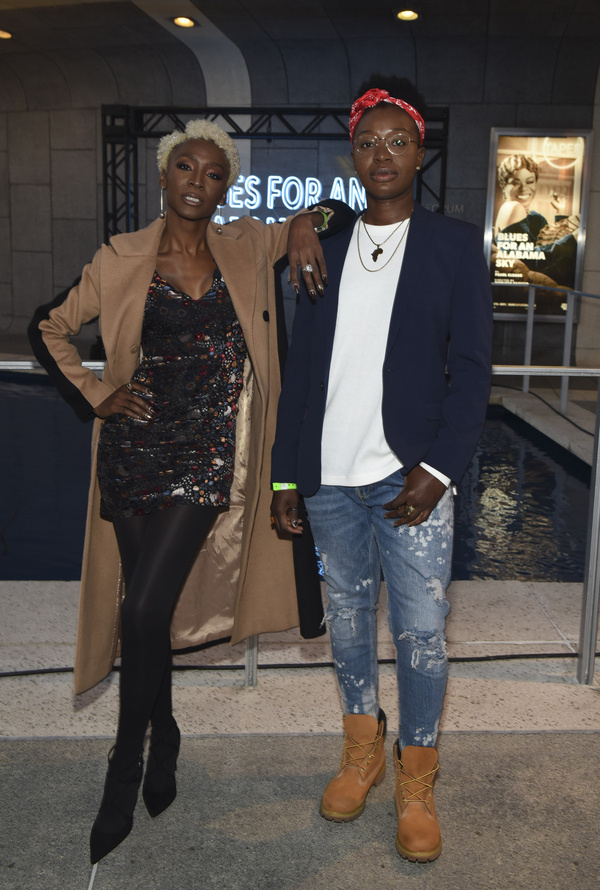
(242, 582)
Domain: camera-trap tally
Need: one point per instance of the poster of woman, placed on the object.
(535, 219)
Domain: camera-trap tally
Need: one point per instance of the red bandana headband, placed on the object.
(374, 97)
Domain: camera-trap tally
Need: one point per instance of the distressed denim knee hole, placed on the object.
(333, 614)
(428, 651)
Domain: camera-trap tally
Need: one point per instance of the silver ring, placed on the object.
(307, 268)
(129, 387)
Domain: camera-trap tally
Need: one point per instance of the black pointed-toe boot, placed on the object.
(115, 816)
(160, 788)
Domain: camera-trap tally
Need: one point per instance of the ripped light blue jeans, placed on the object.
(357, 545)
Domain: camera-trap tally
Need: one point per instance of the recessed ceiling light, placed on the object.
(407, 15)
(182, 21)
(5, 35)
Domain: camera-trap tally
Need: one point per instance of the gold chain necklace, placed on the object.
(378, 250)
(378, 247)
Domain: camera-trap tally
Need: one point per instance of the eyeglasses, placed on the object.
(397, 143)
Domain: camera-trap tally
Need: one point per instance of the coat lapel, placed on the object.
(234, 256)
(127, 275)
(236, 259)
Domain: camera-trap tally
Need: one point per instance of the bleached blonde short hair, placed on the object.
(200, 129)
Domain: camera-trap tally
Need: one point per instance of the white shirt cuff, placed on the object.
(444, 479)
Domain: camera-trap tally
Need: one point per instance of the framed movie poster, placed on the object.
(536, 207)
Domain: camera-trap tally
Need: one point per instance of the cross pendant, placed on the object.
(376, 253)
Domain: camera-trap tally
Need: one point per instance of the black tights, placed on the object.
(157, 551)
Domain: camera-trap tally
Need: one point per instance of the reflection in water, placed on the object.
(521, 510)
(44, 478)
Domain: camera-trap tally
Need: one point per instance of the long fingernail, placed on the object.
(312, 292)
(296, 288)
(324, 277)
(321, 289)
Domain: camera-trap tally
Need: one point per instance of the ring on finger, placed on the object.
(129, 387)
(307, 268)
(409, 509)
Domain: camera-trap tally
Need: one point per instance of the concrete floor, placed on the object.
(519, 748)
(516, 811)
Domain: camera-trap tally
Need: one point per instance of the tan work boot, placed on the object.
(363, 765)
(418, 838)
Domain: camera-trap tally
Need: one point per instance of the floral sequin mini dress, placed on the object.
(193, 363)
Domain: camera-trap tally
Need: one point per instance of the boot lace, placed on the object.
(360, 755)
(421, 794)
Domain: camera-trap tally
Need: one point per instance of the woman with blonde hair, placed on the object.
(184, 420)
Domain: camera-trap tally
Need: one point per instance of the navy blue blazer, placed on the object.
(437, 363)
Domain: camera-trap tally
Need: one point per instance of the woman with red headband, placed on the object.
(384, 399)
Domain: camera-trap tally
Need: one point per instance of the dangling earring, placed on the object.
(219, 228)
(162, 203)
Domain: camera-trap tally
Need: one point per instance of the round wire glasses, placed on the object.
(397, 143)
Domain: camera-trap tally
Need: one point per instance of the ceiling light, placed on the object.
(182, 21)
(5, 35)
(407, 15)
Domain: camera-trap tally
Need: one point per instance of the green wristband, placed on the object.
(283, 486)
(323, 225)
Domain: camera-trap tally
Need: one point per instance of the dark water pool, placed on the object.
(44, 477)
(522, 507)
(521, 511)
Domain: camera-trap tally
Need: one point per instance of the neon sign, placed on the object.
(250, 193)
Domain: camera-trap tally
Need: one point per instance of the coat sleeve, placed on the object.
(276, 234)
(50, 333)
(293, 401)
(469, 364)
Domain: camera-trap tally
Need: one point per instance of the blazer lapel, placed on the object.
(335, 256)
(411, 272)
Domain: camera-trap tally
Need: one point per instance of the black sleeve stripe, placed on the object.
(68, 390)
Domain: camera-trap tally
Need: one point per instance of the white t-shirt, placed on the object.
(354, 450)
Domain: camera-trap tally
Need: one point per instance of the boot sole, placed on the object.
(333, 816)
(413, 856)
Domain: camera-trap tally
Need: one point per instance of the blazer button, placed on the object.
(266, 315)
(133, 349)
(322, 385)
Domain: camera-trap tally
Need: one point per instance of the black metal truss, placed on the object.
(124, 125)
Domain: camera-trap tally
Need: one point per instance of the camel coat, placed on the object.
(242, 582)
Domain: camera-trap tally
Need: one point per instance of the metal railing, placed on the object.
(591, 584)
(591, 578)
(569, 321)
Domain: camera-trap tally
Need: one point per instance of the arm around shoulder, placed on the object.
(275, 235)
